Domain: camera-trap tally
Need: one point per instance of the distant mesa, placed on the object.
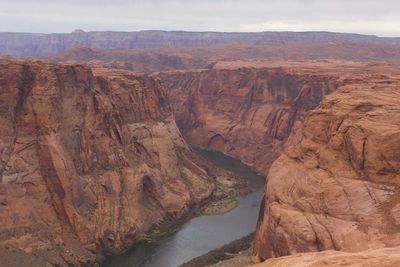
(78, 31)
(27, 44)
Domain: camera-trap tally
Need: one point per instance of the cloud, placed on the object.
(384, 27)
(362, 16)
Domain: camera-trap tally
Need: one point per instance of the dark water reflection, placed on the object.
(203, 233)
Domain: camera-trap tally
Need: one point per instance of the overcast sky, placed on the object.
(380, 17)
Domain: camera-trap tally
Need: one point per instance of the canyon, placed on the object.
(93, 155)
(244, 112)
(90, 160)
(335, 185)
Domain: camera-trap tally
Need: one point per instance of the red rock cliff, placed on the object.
(88, 160)
(247, 113)
(338, 187)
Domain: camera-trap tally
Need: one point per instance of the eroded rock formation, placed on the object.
(88, 160)
(338, 187)
(384, 257)
(247, 113)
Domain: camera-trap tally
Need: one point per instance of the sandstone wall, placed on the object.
(337, 188)
(88, 160)
(246, 113)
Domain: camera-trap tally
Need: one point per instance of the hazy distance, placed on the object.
(380, 18)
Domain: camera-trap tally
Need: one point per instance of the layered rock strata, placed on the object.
(247, 113)
(337, 187)
(89, 160)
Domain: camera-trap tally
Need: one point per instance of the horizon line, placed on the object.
(78, 31)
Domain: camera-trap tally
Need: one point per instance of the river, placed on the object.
(204, 233)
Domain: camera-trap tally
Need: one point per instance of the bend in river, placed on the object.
(204, 233)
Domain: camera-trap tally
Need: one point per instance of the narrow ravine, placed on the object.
(204, 233)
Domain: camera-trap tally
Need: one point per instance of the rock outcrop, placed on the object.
(88, 161)
(247, 113)
(385, 257)
(337, 187)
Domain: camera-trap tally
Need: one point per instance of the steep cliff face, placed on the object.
(338, 186)
(88, 160)
(247, 113)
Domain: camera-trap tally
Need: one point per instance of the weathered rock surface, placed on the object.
(88, 160)
(247, 113)
(338, 187)
(386, 257)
